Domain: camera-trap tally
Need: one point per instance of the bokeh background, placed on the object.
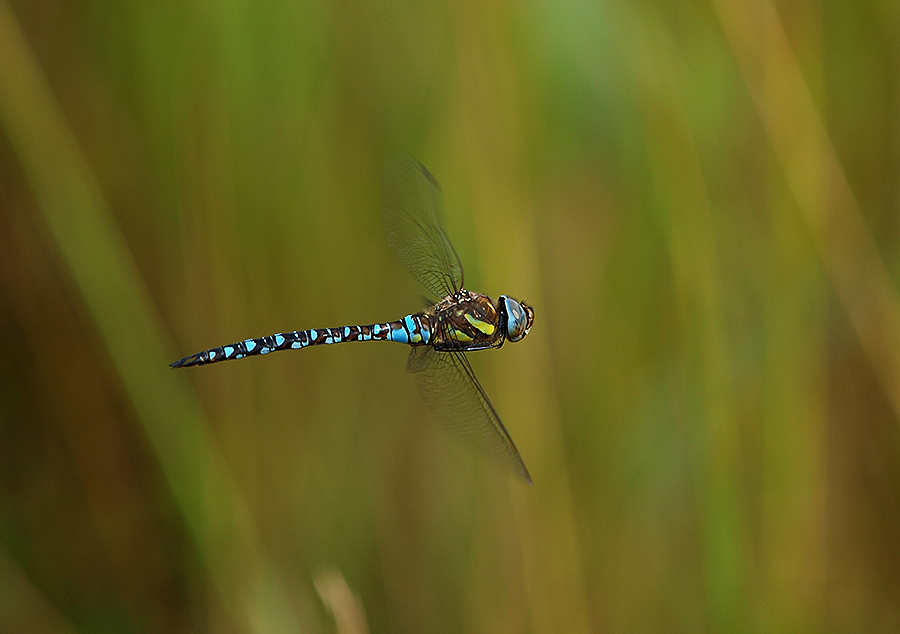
(699, 198)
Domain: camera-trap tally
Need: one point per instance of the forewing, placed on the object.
(412, 218)
(449, 385)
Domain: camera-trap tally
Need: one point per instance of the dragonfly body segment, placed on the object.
(462, 321)
(412, 330)
(466, 321)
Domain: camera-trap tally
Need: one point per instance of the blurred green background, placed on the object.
(699, 198)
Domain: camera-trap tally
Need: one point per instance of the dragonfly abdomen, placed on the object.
(414, 330)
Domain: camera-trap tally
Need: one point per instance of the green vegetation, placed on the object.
(699, 199)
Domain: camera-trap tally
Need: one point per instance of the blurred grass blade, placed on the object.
(23, 606)
(818, 182)
(99, 261)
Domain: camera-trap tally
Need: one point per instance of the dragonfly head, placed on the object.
(517, 317)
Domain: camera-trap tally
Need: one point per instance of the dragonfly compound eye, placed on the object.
(519, 318)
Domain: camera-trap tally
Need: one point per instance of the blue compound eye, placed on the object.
(519, 318)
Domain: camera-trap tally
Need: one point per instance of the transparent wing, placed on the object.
(449, 385)
(413, 222)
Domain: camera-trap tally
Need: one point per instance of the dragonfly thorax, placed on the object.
(472, 321)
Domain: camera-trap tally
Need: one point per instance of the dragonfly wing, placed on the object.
(450, 386)
(412, 218)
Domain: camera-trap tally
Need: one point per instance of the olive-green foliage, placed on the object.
(699, 199)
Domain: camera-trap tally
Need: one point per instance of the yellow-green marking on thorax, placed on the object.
(484, 326)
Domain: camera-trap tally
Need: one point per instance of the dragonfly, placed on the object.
(440, 336)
